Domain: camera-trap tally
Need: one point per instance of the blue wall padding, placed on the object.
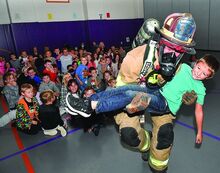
(58, 34)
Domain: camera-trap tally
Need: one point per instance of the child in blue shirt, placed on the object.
(82, 73)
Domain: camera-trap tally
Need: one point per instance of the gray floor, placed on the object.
(81, 152)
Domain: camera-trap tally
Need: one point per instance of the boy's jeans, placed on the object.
(118, 98)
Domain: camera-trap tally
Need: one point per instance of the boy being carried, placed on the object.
(160, 101)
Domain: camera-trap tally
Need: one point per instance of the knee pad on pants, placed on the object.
(130, 136)
(165, 136)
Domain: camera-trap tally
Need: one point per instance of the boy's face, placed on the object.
(10, 79)
(48, 54)
(70, 68)
(57, 51)
(88, 93)
(30, 58)
(73, 88)
(201, 71)
(107, 76)
(108, 60)
(112, 83)
(55, 69)
(24, 54)
(13, 57)
(48, 65)
(46, 79)
(28, 93)
(103, 61)
(31, 73)
(84, 61)
(74, 66)
(93, 73)
(65, 52)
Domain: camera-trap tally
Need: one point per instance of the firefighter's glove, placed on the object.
(160, 80)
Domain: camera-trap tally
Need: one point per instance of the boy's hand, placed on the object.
(189, 98)
(198, 138)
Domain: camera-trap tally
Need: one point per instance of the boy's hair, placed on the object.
(25, 87)
(88, 88)
(30, 68)
(107, 71)
(46, 96)
(54, 65)
(69, 66)
(212, 62)
(91, 69)
(45, 74)
(74, 62)
(12, 54)
(84, 55)
(65, 48)
(46, 61)
(111, 79)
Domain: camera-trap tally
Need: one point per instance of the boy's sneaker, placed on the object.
(139, 103)
(50, 132)
(62, 130)
(79, 105)
(96, 129)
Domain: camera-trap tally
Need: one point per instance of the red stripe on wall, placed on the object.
(18, 140)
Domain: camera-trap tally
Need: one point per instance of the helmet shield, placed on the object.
(179, 28)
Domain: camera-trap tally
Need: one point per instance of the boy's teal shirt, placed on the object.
(180, 84)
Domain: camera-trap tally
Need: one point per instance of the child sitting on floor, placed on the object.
(47, 84)
(27, 111)
(49, 115)
(11, 93)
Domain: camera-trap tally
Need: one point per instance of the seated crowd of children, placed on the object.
(36, 86)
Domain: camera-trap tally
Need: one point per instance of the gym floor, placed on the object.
(81, 152)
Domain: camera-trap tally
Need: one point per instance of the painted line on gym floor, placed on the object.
(75, 130)
(29, 167)
(36, 145)
(193, 128)
(25, 158)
